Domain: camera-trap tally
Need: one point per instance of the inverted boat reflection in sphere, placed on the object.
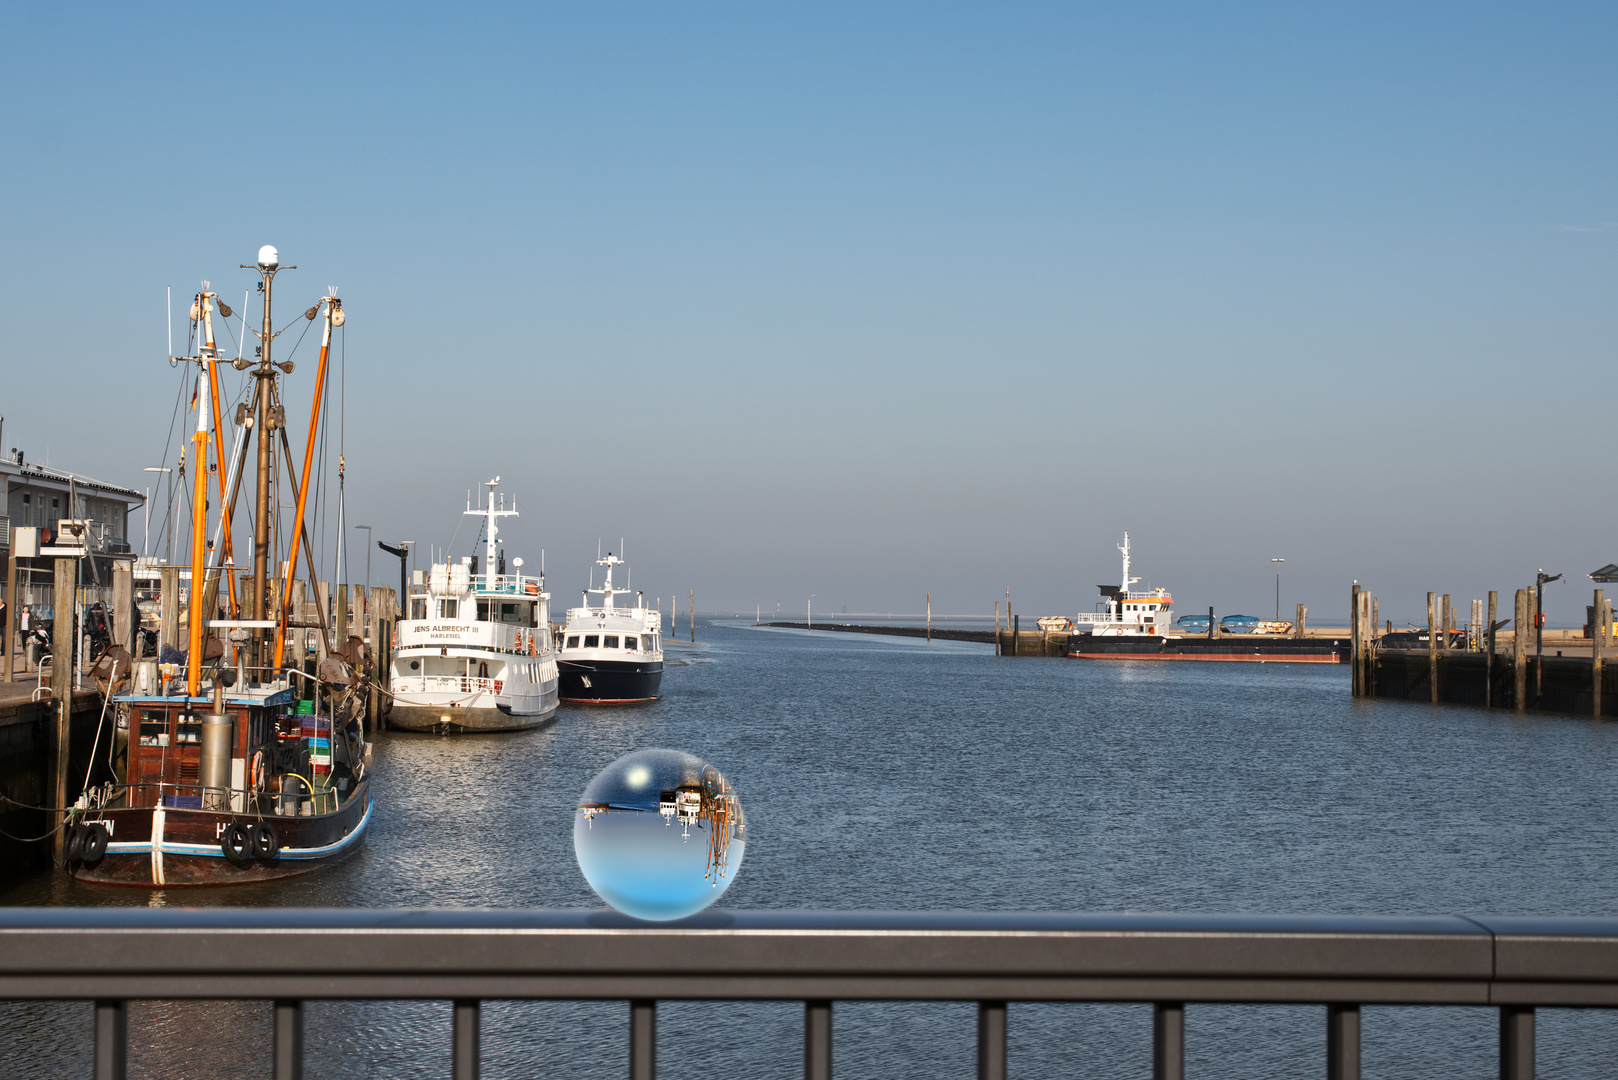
(659, 834)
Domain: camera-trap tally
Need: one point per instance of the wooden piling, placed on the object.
(123, 605)
(997, 649)
(1598, 634)
(168, 609)
(929, 618)
(1432, 649)
(1355, 630)
(1519, 652)
(1488, 646)
(1298, 623)
(691, 613)
(1370, 649)
(10, 619)
(62, 690)
(1446, 623)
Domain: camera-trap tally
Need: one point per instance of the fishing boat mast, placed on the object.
(269, 264)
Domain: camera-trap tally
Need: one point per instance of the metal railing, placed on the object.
(113, 955)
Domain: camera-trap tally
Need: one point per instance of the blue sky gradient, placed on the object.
(868, 301)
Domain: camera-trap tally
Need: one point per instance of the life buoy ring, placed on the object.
(255, 773)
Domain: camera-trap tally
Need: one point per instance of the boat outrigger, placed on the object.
(243, 762)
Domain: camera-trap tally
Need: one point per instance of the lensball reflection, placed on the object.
(659, 834)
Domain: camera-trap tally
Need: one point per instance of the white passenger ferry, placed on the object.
(611, 655)
(476, 652)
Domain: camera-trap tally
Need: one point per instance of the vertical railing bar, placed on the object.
(111, 1040)
(1342, 1042)
(1168, 1040)
(991, 1040)
(642, 1039)
(817, 1040)
(1516, 1042)
(288, 1057)
(464, 1056)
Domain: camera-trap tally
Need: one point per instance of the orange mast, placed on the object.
(334, 317)
(199, 526)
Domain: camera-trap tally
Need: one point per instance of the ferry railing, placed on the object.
(113, 955)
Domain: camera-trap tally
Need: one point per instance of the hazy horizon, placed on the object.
(864, 303)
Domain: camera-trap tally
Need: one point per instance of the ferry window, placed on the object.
(418, 609)
(1148, 618)
(629, 642)
(592, 641)
(483, 611)
(612, 641)
(447, 608)
(646, 643)
(573, 641)
(512, 613)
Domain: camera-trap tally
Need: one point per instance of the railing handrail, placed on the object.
(432, 953)
(111, 955)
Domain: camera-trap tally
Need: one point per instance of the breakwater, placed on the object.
(984, 636)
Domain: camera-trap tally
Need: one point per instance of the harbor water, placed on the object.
(890, 773)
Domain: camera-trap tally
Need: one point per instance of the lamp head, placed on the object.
(268, 257)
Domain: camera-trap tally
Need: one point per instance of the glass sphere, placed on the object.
(659, 834)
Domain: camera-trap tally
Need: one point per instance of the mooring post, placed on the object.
(997, 649)
(168, 609)
(1520, 653)
(691, 613)
(12, 608)
(62, 689)
(1298, 623)
(1446, 623)
(1370, 650)
(1432, 650)
(1016, 634)
(1213, 624)
(1597, 633)
(1488, 646)
(1354, 638)
(929, 618)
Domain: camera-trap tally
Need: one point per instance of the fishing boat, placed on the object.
(476, 652)
(611, 655)
(243, 762)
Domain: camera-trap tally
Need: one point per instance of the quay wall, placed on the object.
(27, 731)
(1565, 685)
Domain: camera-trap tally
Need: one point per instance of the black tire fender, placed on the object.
(93, 844)
(237, 844)
(72, 842)
(266, 845)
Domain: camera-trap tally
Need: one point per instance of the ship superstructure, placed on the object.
(476, 652)
(1124, 612)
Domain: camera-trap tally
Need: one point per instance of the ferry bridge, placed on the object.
(113, 955)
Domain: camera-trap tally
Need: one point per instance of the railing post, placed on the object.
(464, 1057)
(1516, 1043)
(992, 1038)
(642, 1040)
(1342, 1042)
(112, 1040)
(288, 1058)
(1168, 1040)
(817, 1040)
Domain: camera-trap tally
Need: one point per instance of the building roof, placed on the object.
(31, 473)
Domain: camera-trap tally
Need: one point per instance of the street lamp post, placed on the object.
(367, 529)
(1278, 563)
(1541, 580)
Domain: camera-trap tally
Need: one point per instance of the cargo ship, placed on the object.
(1137, 625)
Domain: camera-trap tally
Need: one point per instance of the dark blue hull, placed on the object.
(610, 682)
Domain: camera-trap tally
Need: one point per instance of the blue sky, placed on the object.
(865, 301)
